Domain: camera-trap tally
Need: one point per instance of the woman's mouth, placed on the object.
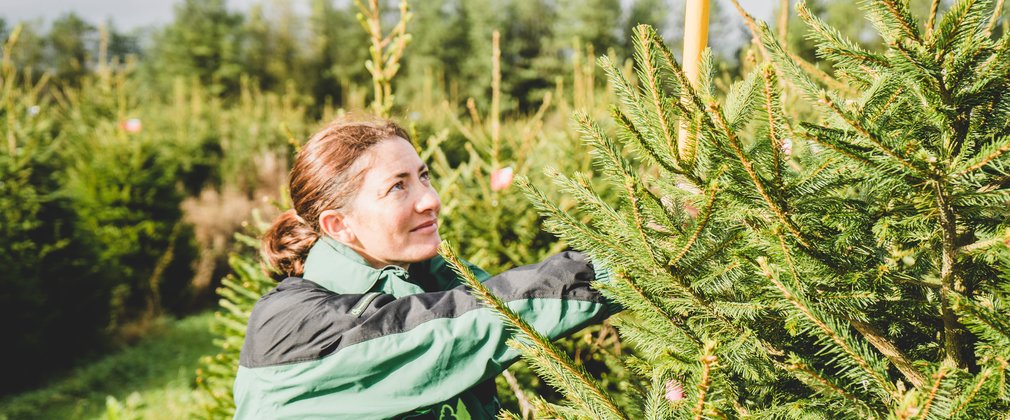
(429, 226)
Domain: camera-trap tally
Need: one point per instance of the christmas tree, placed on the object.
(849, 265)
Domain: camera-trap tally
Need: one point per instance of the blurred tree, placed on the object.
(202, 41)
(122, 44)
(256, 47)
(337, 47)
(527, 61)
(481, 17)
(29, 50)
(655, 13)
(438, 38)
(72, 43)
(284, 60)
(850, 21)
(596, 22)
(451, 42)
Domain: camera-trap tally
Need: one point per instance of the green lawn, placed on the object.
(153, 379)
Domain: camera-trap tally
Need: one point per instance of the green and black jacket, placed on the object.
(352, 341)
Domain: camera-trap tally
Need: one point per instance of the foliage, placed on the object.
(782, 268)
(93, 234)
(90, 219)
(125, 192)
(153, 377)
(48, 260)
(498, 226)
(239, 291)
(202, 42)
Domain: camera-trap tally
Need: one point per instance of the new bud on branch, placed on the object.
(501, 178)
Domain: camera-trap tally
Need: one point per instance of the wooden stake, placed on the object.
(695, 40)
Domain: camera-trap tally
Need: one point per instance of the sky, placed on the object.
(128, 15)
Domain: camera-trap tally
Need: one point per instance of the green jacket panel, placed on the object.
(389, 343)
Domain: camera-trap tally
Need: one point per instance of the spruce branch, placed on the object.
(996, 12)
(741, 99)
(645, 145)
(772, 204)
(805, 374)
(933, 9)
(613, 162)
(895, 12)
(644, 49)
(804, 309)
(820, 75)
(819, 135)
(833, 43)
(587, 198)
(984, 244)
(692, 95)
(653, 303)
(996, 150)
(819, 96)
(982, 378)
(755, 29)
(870, 134)
(789, 260)
(891, 351)
(995, 322)
(554, 411)
(630, 96)
(812, 175)
(771, 109)
(629, 188)
(938, 376)
(887, 105)
(962, 20)
(590, 395)
(568, 227)
(874, 337)
(719, 247)
(708, 361)
(700, 225)
(385, 61)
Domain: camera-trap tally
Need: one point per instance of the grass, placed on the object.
(153, 379)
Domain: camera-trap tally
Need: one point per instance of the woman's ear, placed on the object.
(334, 224)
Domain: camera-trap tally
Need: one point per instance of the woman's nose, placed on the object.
(429, 201)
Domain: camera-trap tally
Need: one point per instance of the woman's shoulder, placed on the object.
(296, 321)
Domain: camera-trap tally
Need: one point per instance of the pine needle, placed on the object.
(586, 391)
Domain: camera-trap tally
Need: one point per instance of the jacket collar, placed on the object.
(340, 269)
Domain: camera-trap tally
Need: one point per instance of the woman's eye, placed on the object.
(426, 176)
(396, 187)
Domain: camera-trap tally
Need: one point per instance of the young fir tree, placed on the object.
(854, 266)
(239, 291)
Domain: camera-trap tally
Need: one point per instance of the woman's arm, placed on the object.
(372, 355)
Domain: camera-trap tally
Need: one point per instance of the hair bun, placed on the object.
(286, 244)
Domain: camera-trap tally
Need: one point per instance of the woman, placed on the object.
(371, 322)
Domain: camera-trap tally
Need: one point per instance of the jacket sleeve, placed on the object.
(398, 355)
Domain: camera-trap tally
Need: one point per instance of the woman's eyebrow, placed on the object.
(420, 169)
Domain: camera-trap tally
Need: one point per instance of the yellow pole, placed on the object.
(695, 40)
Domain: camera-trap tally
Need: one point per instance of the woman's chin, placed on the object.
(426, 250)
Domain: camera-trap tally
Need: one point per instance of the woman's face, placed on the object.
(393, 218)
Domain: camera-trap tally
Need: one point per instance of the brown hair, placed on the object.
(323, 178)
